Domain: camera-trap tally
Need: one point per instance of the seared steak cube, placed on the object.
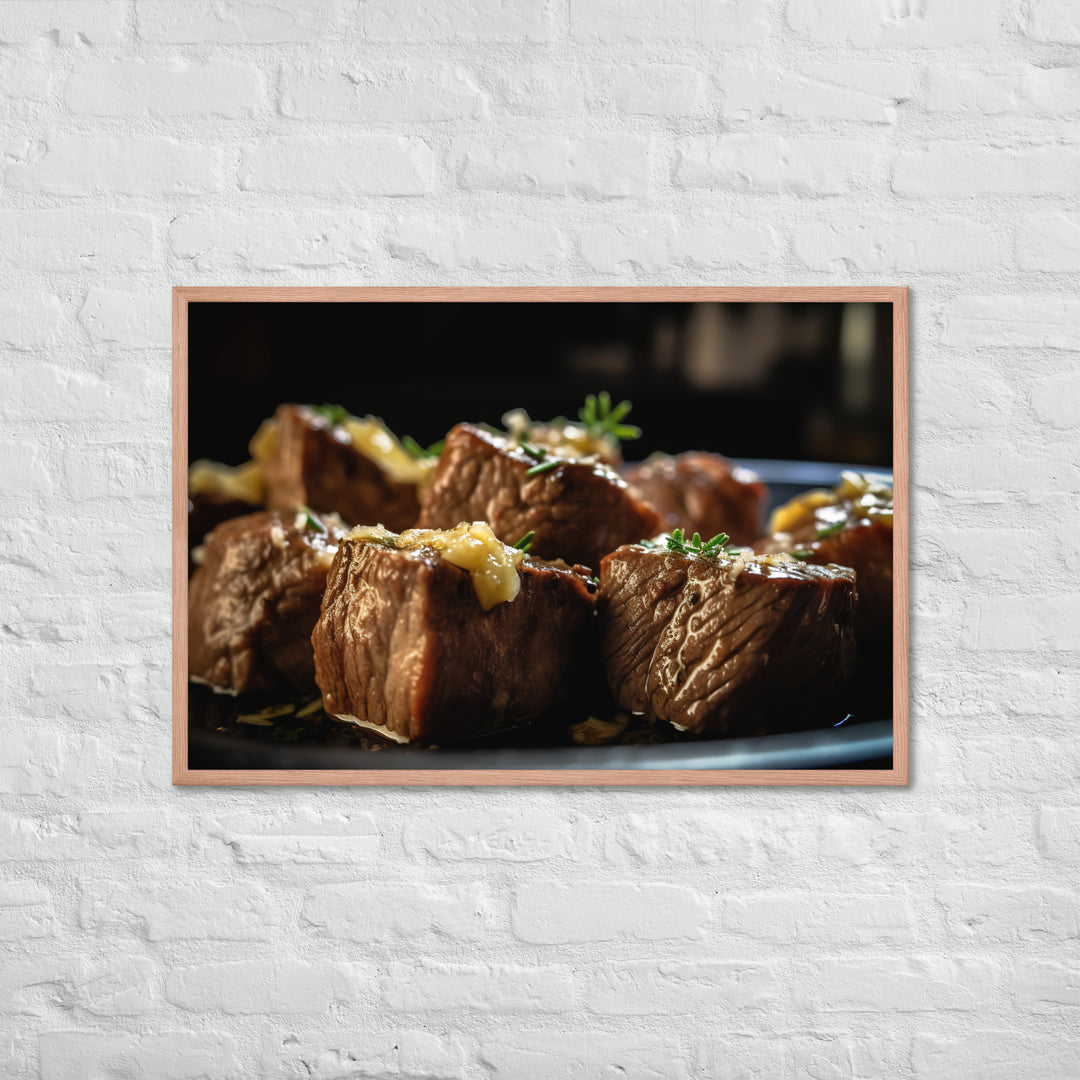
(578, 511)
(726, 645)
(436, 636)
(852, 526)
(354, 467)
(701, 493)
(255, 598)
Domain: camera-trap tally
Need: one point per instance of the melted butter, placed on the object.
(264, 442)
(870, 496)
(379, 445)
(853, 485)
(567, 440)
(801, 509)
(245, 482)
(472, 546)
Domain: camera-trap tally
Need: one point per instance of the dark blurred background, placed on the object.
(798, 381)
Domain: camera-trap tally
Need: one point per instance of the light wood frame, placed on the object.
(898, 775)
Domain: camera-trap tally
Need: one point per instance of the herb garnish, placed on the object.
(830, 530)
(333, 414)
(603, 420)
(537, 453)
(544, 467)
(526, 541)
(803, 556)
(703, 549)
(310, 520)
(418, 452)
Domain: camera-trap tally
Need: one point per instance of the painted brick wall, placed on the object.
(190, 934)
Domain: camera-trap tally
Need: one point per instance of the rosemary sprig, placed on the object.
(702, 549)
(537, 453)
(830, 530)
(544, 466)
(333, 414)
(526, 541)
(604, 420)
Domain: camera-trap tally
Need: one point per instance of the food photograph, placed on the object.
(537, 538)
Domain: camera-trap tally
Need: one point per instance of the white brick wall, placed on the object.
(652, 934)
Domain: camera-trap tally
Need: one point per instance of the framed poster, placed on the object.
(540, 536)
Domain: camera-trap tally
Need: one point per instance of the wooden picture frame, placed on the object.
(182, 297)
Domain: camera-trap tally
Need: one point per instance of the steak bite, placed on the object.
(852, 526)
(437, 636)
(703, 493)
(331, 461)
(255, 598)
(578, 510)
(724, 644)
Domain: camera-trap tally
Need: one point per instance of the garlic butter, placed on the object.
(472, 546)
(379, 445)
(871, 496)
(566, 439)
(245, 482)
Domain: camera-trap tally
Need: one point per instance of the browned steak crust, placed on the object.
(842, 531)
(316, 464)
(701, 493)
(578, 511)
(403, 643)
(867, 547)
(687, 640)
(254, 600)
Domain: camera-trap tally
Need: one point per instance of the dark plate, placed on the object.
(853, 737)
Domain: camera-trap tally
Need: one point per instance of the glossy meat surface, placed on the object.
(403, 644)
(578, 511)
(701, 493)
(724, 647)
(254, 600)
(850, 528)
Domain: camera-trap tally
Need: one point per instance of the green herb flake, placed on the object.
(830, 530)
(332, 414)
(702, 549)
(414, 449)
(526, 541)
(543, 467)
(802, 556)
(311, 521)
(603, 420)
